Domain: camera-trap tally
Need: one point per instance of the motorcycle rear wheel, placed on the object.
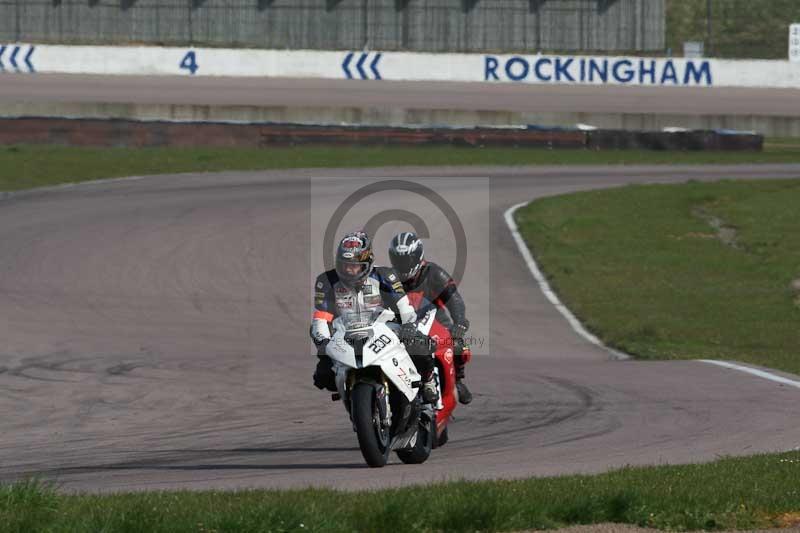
(422, 448)
(443, 438)
(373, 438)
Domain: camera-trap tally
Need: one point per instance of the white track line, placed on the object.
(754, 372)
(548, 292)
(580, 330)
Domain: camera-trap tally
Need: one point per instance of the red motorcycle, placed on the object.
(445, 372)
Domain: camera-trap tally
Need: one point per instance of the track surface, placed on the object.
(265, 92)
(154, 336)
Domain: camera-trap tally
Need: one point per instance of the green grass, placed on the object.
(23, 167)
(645, 270)
(759, 491)
(776, 145)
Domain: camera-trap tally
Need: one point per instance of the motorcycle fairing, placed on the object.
(425, 323)
(381, 348)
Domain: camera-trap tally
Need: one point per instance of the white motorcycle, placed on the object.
(379, 386)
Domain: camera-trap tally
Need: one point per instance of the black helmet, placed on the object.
(354, 249)
(405, 253)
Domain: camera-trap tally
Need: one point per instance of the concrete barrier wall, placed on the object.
(537, 69)
(418, 25)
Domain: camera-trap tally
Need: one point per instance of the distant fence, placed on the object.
(409, 25)
(741, 29)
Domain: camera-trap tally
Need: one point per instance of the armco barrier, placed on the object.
(91, 132)
(376, 65)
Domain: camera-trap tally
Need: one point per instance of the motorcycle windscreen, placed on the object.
(341, 351)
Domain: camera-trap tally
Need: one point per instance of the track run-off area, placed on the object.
(155, 336)
(19, 90)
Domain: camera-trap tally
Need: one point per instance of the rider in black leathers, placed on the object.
(428, 285)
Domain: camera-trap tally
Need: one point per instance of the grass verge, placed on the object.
(698, 270)
(27, 166)
(732, 493)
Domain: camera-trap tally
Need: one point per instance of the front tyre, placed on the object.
(373, 438)
(422, 448)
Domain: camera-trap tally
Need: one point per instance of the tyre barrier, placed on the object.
(130, 133)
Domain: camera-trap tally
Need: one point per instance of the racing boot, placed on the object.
(463, 355)
(430, 392)
(464, 395)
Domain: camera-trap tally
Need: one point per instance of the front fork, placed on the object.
(381, 386)
(384, 405)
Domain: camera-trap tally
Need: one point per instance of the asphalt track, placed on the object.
(155, 336)
(266, 92)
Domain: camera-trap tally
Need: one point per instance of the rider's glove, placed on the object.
(321, 348)
(408, 331)
(459, 330)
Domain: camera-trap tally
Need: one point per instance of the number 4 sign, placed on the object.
(189, 62)
(794, 42)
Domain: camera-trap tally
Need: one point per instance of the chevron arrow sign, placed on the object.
(16, 57)
(359, 70)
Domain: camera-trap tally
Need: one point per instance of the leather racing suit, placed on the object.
(380, 290)
(433, 288)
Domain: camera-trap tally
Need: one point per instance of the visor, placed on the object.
(404, 263)
(352, 270)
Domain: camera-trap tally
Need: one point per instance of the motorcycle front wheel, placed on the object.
(373, 438)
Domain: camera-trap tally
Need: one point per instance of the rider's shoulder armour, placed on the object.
(388, 279)
(326, 281)
(433, 280)
(438, 278)
(323, 290)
